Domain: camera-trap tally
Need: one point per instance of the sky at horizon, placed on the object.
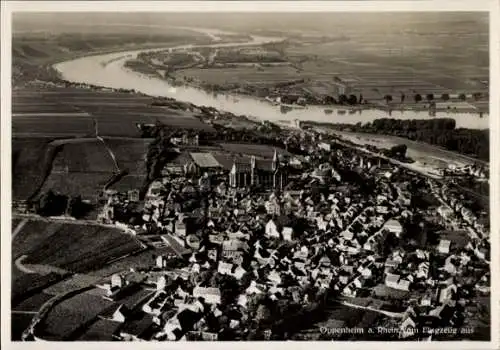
(425, 22)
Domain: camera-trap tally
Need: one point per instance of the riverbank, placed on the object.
(115, 75)
(269, 93)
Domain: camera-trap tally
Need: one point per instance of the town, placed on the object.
(244, 246)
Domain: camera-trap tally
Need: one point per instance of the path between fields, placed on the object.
(19, 228)
(21, 267)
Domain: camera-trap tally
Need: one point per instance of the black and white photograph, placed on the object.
(248, 176)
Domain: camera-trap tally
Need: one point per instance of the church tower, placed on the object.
(276, 171)
(252, 171)
(233, 175)
(275, 161)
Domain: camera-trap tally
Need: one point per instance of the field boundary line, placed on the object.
(19, 228)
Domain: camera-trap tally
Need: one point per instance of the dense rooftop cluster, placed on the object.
(348, 229)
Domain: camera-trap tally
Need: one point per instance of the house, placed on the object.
(382, 209)
(133, 195)
(117, 281)
(205, 163)
(391, 280)
(272, 230)
(274, 277)
(348, 235)
(394, 226)
(224, 268)
(449, 266)
(358, 282)
(447, 294)
(161, 261)
(391, 263)
(366, 272)
(423, 270)
(238, 272)
(324, 146)
(161, 283)
(253, 289)
(287, 233)
(211, 295)
(349, 291)
(156, 304)
(422, 254)
(396, 282)
(236, 256)
(180, 229)
(234, 245)
(444, 246)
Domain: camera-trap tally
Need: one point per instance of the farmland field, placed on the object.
(70, 314)
(74, 282)
(29, 162)
(33, 303)
(84, 167)
(116, 113)
(241, 75)
(100, 330)
(28, 285)
(83, 157)
(88, 185)
(139, 260)
(130, 155)
(74, 247)
(80, 166)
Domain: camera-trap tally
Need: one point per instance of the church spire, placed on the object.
(275, 160)
(233, 175)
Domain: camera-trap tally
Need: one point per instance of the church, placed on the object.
(269, 174)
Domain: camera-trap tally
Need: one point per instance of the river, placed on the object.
(108, 70)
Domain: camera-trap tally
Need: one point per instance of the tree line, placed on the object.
(439, 132)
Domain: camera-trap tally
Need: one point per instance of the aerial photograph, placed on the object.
(273, 176)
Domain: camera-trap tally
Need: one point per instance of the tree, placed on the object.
(388, 98)
(429, 97)
(342, 99)
(462, 97)
(403, 98)
(476, 95)
(417, 98)
(75, 207)
(51, 204)
(352, 100)
(445, 97)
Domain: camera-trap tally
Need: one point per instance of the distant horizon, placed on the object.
(462, 22)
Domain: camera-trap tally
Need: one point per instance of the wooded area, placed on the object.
(439, 132)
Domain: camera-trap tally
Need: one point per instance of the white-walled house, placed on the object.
(272, 230)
